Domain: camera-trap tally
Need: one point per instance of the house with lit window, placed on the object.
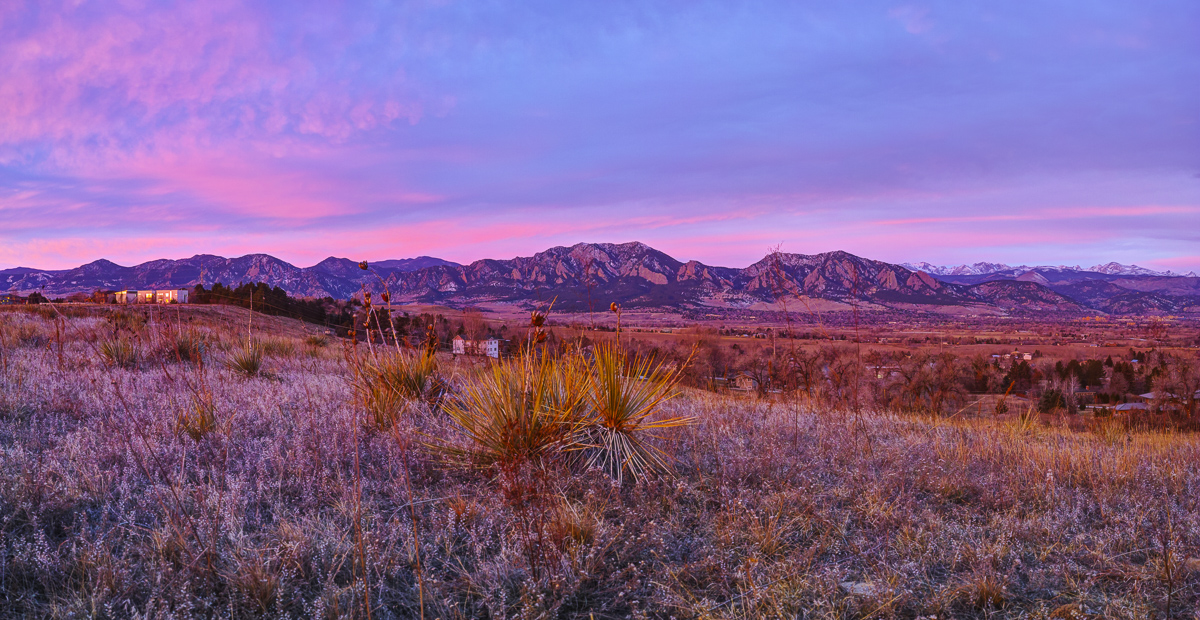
(162, 296)
(171, 296)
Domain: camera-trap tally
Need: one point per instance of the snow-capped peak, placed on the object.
(1117, 269)
(976, 269)
(983, 268)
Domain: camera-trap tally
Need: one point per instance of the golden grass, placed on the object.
(199, 418)
(132, 490)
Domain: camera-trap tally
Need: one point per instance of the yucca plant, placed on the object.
(569, 388)
(624, 393)
(246, 361)
(185, 346)
(120, 351)
(517, 413)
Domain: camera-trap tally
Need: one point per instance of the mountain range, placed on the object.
(590, 275)
(339, 278)
(981, 269)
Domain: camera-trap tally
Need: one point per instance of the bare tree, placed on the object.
(1181, 377)
(474, 325)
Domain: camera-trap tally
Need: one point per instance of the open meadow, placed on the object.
(200, 463)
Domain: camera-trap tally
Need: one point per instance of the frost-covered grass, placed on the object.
(110, 508)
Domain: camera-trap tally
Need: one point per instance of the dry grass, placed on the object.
(390, 382)
(198, 418)
(111, 507)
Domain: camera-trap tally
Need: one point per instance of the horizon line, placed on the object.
(906, 264)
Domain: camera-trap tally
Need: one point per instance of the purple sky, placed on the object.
(1025, 132)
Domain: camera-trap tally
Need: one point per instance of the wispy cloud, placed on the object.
(466, 130)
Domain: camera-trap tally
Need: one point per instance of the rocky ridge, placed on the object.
(588, 276)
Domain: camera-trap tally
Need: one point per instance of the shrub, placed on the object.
(317, 341)
(625, 392)
(516, 413)
(246, 361)
(120, 351)
(186, 346)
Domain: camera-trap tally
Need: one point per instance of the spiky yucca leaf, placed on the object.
(185, 346)
(383, 404)
(624, 393)
(246, 361)
(120, 351)
(517, 412)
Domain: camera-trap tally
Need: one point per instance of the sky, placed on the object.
(952, 132)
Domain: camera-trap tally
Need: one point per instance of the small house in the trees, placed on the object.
(745, 381)
(486, 348)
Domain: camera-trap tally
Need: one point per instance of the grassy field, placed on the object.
(170, 469)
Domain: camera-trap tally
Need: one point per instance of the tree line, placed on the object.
(273, 300)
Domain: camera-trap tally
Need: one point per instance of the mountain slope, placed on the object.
(334, 277)
(588, 276)
(1118, 292)
(983, 269)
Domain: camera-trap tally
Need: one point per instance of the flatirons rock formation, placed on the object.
(588, 276)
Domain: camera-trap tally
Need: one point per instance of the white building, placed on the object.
(171, 296)
(489, 348)
(166, 296)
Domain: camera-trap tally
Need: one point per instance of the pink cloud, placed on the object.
(1176, 263)
(252, 187)
(1063, 213)
(153, 80)
(914, 19)
(233, 127)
